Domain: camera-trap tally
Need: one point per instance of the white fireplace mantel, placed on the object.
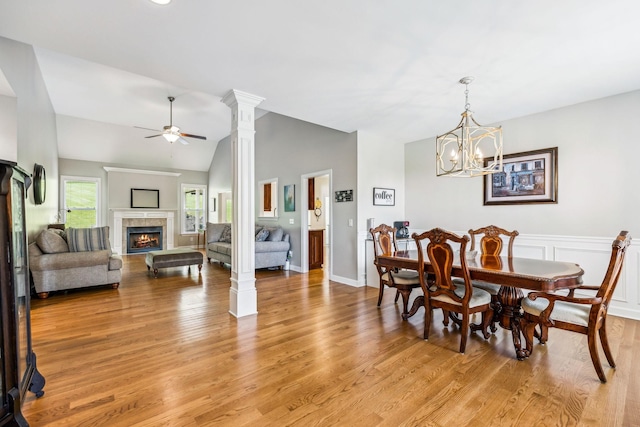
(120, 215)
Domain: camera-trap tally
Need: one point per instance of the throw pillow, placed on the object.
(275, 235)
(51, 242)
(88, 239)
(60, 233)
(262, 235)
(226, 235)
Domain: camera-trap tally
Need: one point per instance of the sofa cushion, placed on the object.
(262, 235)
(214, 231)
(275, 234)
(221, 248)
(226, 234)
(51, 242)
(271, 247)
(69, 260)
(88, 239)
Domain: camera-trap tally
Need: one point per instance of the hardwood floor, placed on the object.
(166, 352)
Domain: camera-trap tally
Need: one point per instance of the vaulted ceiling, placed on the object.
(384, 67)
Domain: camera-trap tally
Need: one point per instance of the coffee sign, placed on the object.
(384, 197)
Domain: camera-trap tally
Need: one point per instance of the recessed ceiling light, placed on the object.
(161, 1)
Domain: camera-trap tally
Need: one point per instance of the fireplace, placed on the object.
(143, 239)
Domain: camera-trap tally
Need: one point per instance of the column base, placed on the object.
(243, 297)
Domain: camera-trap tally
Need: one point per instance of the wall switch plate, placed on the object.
(350, 222)
(290, 220)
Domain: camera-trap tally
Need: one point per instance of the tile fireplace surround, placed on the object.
(121, 219)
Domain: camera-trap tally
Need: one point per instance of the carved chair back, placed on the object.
(441, 257)
(491, 242)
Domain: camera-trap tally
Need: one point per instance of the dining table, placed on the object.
(513, 274)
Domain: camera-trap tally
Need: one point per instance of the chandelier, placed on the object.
(470, 149)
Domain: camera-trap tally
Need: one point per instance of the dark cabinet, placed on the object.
(316, 249)
(18, 362)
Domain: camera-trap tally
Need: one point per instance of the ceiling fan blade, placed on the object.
(183, 141)
(193, 136)
(153, 136)
(155, 130)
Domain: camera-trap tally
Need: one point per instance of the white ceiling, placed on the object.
(385, 67)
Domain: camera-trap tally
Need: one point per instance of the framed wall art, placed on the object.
(344, 196)
(527, 177)
(143, 198)
(384, 196)
(290, 198)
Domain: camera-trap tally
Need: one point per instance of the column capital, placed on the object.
(234, 97)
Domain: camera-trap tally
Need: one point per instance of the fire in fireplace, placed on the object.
(144, 239)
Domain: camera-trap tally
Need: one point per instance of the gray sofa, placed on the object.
(75, 258)
(272, 244)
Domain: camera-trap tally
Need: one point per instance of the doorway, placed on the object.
(316, 218)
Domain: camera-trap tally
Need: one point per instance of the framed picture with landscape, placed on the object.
(527, 177)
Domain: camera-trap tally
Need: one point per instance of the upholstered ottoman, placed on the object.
(173, 258)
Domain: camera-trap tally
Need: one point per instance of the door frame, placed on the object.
(304, 216)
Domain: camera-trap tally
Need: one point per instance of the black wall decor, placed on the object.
(39, 184)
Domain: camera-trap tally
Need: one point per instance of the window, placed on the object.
(80, 201)
(229, 211)
(194, 207)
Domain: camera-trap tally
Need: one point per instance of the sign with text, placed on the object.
(384, 197)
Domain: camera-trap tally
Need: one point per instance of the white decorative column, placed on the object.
(243, 297)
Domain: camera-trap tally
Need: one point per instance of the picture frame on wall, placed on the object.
(384, 196)
(526, 177)
(290, 198)
(344, 196)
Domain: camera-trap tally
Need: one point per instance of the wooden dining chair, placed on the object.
(586, 315)
(405, 281)
(491, 242)
(443, 292)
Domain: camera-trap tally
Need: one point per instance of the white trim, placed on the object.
(346, 281)
(304, 227)
(140, 171)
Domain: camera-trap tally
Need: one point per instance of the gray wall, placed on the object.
(36, 127)
(598, 175)
(288, 148)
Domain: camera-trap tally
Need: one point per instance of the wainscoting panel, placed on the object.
(529, 251)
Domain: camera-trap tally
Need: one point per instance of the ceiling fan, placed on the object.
(172, 133)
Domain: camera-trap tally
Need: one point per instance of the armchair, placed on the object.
(585, 315)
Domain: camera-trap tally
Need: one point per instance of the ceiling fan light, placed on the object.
(171, 137)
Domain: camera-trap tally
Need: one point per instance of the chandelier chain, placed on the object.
(467, 106)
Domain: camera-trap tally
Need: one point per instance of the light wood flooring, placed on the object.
(166, 352)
